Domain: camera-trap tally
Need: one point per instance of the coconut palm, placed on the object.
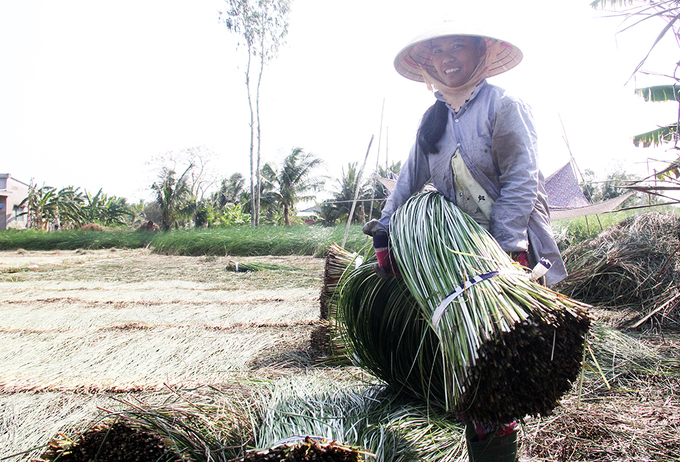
(338, 208)
(229, 192)
(293, 180)
(173, 196)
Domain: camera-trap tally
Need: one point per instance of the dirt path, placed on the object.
(77, 326)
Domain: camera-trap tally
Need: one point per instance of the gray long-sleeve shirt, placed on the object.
(495, 135)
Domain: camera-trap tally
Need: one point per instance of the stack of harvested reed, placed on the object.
(337, 262)
(114, 441)
(305, 449)
(634, 263)
(472, 333)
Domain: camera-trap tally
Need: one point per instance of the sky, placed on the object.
(91, 91)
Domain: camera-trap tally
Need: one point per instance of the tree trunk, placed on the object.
(258, 127)
(253, 210)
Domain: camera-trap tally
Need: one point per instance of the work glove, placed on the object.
(387, 265)
(521, 258)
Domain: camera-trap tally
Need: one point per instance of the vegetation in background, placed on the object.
(263, 240)
(173, 197)
(664, 12)
(231, 240)
(36, 239)
(262, 25)
(293, 180)
(71, 208)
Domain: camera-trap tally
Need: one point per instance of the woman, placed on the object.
(477, 145)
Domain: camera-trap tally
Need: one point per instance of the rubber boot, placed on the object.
(493, 449)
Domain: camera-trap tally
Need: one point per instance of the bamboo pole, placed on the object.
(356, 193)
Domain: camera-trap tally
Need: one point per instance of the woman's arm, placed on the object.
(412, 177)
(514, 150)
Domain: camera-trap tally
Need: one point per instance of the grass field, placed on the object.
(83, 331)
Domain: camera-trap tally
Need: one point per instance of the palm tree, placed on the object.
(173, 197)
(230, 191)
(339, 207)
(293, 180)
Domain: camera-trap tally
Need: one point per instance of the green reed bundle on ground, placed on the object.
(243, 267)
(504, 348)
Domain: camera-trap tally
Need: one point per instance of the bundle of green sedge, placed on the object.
(466, 328)
(241, 267)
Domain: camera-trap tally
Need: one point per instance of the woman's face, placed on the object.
(455, 58)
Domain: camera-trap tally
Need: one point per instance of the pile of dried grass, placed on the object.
(627, 407)
(633, 263)
(337, 261)
(637, 419)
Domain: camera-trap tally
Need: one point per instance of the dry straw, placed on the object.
(634, 263)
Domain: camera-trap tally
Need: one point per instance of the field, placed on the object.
(77, 326)
(84, 330)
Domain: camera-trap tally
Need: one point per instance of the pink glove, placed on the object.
(387, 265)
(521, 258)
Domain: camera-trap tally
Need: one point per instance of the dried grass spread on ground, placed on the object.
(61, 312)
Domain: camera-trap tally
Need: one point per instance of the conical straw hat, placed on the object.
(417, 53)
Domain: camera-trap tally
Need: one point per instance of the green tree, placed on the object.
(105, 210)
(339, 207)
(229, 192)
(293, 180)
(262, 25)
(137, 215)
(173, 197)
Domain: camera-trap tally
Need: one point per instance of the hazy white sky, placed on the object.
(91, 90)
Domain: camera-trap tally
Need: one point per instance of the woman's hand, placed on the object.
(521, 258)
(387, 265)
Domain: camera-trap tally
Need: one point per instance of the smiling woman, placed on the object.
(478, 146)
(456, 58)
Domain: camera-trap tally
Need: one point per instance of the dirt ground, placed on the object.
(79, 326)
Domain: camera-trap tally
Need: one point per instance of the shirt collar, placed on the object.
(477, 89)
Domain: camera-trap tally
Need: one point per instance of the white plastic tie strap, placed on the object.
(540, 269)
(439, 312)
(538, 272)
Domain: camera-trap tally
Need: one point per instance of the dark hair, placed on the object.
(432, 127)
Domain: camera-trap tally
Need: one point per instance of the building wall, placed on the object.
(3, 215)
(12, 192)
